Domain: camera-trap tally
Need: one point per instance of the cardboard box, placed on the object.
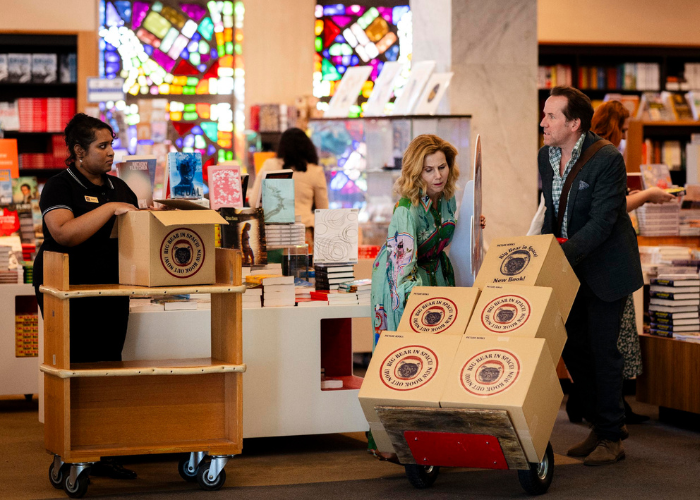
(514, 374)
(519, 311)
(407, 369)
(381, 438)
(530, 260)
(167, 248)
(438, 310)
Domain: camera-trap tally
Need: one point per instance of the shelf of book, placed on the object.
(679, 241)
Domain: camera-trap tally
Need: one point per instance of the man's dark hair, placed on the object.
(297, 150)
(578, 105)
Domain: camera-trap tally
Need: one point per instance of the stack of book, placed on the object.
(689, 222)
(330, 276)
(8, 276)
(252, 298)
(302, 291)
(334, 298)
(277, 290)
(674, 303)
(361, 288)
(41, 114)
(659, 220)
(284, 235)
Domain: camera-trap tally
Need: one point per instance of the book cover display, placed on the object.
(186, 178)
(5, 187)
(347, 91)
(137, 176)
(225, 188)
(656, 175)
(383, 87)
(433, 93)
(44, 68)
(24, 190)
(335, 235)
(246, 232)
(420, 73)
(278, 201)
(19, 67)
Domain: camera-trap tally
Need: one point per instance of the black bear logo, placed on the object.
(433, 317)
(182, 255)
(515, 263)
(505, 315)
(489, 374)
(408, 370)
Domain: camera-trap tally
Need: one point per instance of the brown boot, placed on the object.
(584, 448)
(607, 452)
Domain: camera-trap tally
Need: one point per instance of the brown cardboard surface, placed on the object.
(519, 311)
(407, 369)
(530, 260)
(165, 248)
(513, 374)
(438, 310)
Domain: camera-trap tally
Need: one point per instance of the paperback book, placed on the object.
(44, 68)
(225, 188)
(137, 177)
(19, 67)
(186, 178)
(278, 201)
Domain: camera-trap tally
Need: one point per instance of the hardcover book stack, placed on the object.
(284, 235)
(335, 298)
(252, 298)
(277, 290)
(674, 303)
(361, 288)
(330, 276)
(659, 220)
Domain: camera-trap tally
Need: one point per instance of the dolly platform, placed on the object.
(426, 439)
(192, 406)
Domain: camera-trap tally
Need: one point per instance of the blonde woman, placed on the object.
(421, 228)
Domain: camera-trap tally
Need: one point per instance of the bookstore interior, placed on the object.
(252, 240)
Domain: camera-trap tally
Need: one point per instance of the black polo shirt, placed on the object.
(96, 260)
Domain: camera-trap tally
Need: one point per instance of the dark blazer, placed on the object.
(602, 246)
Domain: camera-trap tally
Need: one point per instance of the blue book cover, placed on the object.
(186, 179)
(278, 201)
(5, 187)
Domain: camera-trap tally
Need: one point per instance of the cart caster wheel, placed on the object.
(183, 469)
(80, 487)
(421, 476)
(536, 481)
(62, 473)
(205, 483)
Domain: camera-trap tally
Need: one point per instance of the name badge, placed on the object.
(91, 199)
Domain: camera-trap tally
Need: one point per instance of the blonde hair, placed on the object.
(410, 185)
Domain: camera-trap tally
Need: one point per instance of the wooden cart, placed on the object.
(427, 438)
(190, 406)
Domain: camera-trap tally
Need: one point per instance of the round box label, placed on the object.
(182, 253)
(408, 368)
(516, 262)
(490, 372)
(433, 315)
(505, 314)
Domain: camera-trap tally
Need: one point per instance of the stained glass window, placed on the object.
(355, 35)
(182, 64)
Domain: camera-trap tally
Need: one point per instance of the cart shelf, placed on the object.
(193, 366)
(80, 291)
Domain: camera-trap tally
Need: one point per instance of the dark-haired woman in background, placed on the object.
(79, 208)
(297, 152)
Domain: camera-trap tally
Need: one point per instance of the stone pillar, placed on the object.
(492, 49)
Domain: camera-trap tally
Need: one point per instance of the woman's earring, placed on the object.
(81, 160)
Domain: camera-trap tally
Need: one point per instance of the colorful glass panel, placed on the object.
(180, 63)
(357, 35)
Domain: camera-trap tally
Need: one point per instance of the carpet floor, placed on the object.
(663, 462)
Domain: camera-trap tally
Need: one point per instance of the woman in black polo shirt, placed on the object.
(79, 208)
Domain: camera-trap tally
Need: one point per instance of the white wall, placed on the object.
(278, 50)
(619, 21)
(48, 15)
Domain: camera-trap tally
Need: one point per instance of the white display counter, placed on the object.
(283, 348)
(17, 375)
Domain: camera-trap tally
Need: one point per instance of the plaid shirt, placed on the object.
(558, 180)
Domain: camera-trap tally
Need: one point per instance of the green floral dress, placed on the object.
(413, 255)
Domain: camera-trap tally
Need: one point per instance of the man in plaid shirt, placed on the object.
(601, 246)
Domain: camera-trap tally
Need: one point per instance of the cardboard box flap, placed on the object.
(181, 204)
(188, 217)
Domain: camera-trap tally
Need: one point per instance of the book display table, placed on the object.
(285, 349)
(191, 405)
